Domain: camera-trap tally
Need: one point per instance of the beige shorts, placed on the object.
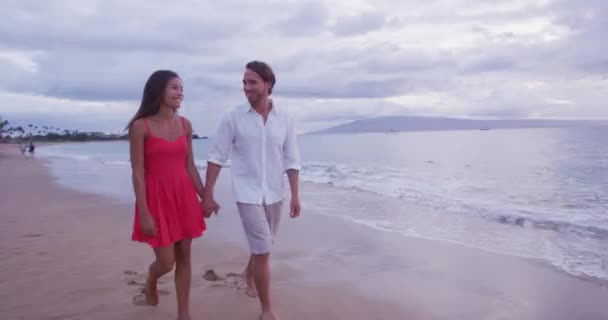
(260, 223)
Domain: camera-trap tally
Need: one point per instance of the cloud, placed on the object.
(488, 64)
(380, 88)
(308, 18)
(359, 24)
(337, 60)
(112, 26)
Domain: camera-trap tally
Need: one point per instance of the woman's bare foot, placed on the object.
(151, 293)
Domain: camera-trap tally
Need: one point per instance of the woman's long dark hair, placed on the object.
(153, 94)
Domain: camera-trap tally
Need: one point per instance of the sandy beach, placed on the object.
(68, 255)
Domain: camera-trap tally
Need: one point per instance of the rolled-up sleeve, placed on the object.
(291, 152)
(219, 153)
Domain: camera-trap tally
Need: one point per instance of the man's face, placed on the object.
(254, 87)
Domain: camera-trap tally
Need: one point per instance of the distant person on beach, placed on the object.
(23, 149)
(168, 214)
(260, 140)
(31, 149)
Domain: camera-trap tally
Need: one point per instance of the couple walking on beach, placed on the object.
(171, 200)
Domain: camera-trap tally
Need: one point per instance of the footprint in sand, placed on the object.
(140, 283)
(211, 275)
(161, 292)
(139, 300)
(233, 280)
(32, 235)
(130, 272)
(135, 279)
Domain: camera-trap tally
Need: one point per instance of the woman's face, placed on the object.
(174, 93)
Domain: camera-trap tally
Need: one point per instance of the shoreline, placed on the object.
(547, 258)
(323, 268)
(531, 259)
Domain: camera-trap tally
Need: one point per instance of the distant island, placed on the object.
(394, 124)
(40, 133)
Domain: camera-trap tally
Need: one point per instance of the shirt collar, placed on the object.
(273, 110)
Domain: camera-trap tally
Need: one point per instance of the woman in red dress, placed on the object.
(166, 182)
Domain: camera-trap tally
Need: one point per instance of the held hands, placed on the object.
(209, 206)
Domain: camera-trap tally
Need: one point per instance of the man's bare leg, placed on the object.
(250, 291)
(261, 276)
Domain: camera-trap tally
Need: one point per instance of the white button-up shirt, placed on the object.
(259, 153)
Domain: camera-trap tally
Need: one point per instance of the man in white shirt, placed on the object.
(261, 142)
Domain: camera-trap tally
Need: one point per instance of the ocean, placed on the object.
(534, 193)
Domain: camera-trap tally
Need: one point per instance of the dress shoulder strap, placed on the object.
(147, 126)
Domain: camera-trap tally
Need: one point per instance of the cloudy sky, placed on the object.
(82, 64)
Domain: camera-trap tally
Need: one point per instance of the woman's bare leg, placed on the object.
(165, 259)
(183, 278)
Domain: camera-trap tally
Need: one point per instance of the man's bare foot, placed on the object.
(151, 293)
(184, 317)
(268, 315)
(251, 290)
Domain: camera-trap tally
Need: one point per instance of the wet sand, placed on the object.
(68, 255)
